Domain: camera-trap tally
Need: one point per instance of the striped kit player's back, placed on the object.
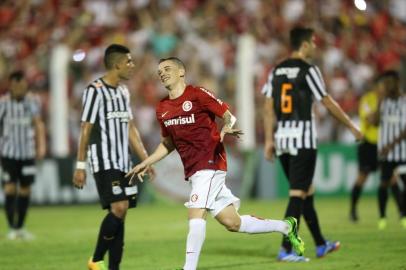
(292, 84)
(108, 108)
(17, 137)
(392, 123)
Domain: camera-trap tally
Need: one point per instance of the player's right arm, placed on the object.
(79, 176)
(164, 148)
(90, 101)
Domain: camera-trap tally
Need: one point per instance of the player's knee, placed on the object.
(384, 184)
(297, 193)
(362, 177)
(232, 225)
(119, 209)
(24, 191)
(10, 189)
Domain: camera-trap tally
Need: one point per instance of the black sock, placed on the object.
(355, 194)
(382, 200)
(116, 249)
(404, 202)
(9, 206)
(312, 221)
(22, 207)
(397, 197)
(403, 197)
(107, 233)
(294, 209)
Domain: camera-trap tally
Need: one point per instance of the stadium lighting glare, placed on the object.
(79, 55)
(360, 4)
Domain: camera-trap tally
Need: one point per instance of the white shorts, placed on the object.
(209, 191)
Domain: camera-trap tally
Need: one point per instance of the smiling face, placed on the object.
(170, 73)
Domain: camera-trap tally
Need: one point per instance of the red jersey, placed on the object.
(190, 122)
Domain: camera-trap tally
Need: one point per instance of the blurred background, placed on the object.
(228, 47)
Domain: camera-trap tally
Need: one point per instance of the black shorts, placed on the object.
(112, 186)
(299, 169)
(18, 171)
(387, 169)
(367, 157)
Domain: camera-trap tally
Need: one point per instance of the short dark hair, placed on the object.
(113, 53)
(177, 61)
(393, 74)
(298, 35)
(17, 75)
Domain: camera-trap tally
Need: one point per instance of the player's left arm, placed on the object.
(40, 141)
(269, 127)
(229, 121)
(38, 125)
(209, 102)
(135, 141)
(138, 147)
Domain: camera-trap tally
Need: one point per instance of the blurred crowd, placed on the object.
(354, 46)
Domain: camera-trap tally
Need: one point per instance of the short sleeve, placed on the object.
(403, 112)
(127, 97)
(34, 106)
(267, 88)
(164, 130)
(316, 83)
(209, 102)
(2, 109)
(91, 103)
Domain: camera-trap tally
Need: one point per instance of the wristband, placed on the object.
(232, 121)
(81, 165)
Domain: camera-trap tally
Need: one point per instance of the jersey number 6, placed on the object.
(286, 100)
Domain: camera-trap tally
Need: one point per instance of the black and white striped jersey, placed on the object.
(292, 85)
(108, 109)
(17, 133)
(392, 123)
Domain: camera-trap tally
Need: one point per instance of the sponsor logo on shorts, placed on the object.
(116, 189)
(29, 170)
(187, 106)
(131, 190)
(194, 197)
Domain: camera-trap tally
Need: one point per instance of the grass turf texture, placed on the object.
(155, 239)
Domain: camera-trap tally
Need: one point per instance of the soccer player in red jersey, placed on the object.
(187, 119)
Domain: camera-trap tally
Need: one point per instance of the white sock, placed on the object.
(194, 243)
(250, 224)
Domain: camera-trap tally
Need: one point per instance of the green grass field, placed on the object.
(155, 239)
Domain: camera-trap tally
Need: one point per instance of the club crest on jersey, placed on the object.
(187, 106)
(194, 198)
